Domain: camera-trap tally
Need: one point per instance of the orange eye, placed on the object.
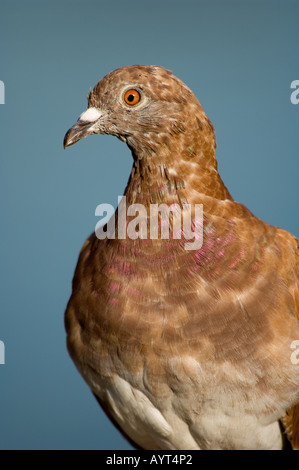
(132, 97)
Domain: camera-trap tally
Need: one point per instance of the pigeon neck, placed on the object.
(179, 169)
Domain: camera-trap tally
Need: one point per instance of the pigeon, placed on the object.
(184, 348)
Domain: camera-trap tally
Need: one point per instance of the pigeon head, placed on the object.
(151, 110)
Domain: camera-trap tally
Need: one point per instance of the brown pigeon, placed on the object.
(184, 348)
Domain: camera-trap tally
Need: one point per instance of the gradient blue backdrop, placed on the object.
(239, 57)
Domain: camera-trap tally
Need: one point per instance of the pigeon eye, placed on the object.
(132, 97)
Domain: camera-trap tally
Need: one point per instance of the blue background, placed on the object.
(239, 58)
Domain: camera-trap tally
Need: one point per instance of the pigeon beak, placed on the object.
(88, 123)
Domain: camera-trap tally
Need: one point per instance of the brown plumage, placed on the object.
(184, 349)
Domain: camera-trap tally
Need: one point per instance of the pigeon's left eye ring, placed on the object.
(132, 97)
